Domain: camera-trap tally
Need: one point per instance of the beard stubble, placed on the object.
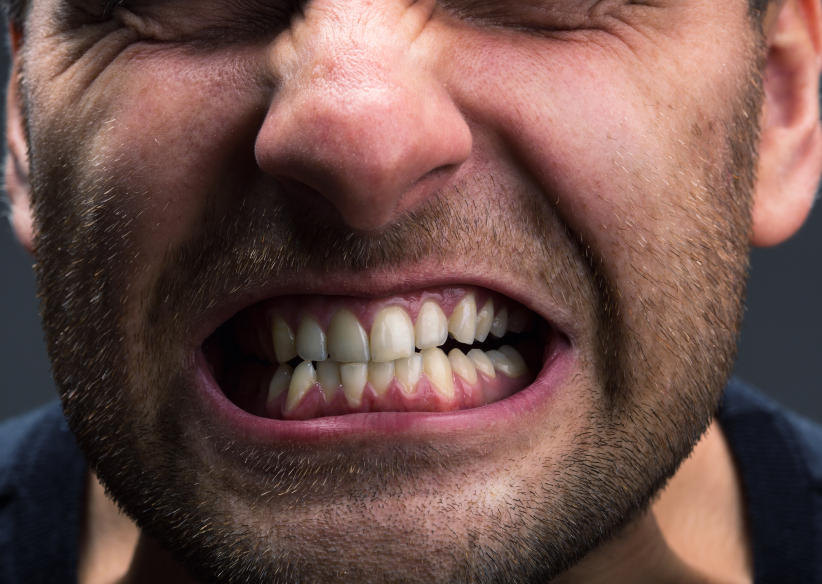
(128, 397)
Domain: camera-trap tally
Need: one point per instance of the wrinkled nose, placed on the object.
(361, 115)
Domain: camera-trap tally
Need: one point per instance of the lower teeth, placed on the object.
(430, 378)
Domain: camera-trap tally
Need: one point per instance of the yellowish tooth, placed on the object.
(279, 382)
(520, 320)
(392, 335)
(302, 380)
(354, 376)
(311, 343)
(283, 339)
(347, 340)
(485, 319)
(328, 374)
(482, 363)
(408, 372)
(462, 366)
(518, 363)
(431, 328)
(380, 375)
(438, 370)
(463, 321)
(508, 361)
(500, 324)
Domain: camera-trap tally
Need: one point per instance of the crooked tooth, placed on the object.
(347, 340)
(520, 320)
(431, 328)
(311, 344)
(328, 374)
(354, 376)
(463, 321)
(302, 380)
(485, 319)
(500, 324)
(408, 372)
(508, 361)
(283, 338)
(279, 382)
(380, 376)
(462, 366)
(482, 362)
(438, 370)
(392, 335)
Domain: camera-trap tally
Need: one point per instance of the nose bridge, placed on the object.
(360, 116)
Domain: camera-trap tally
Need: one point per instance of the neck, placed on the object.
(695, 532)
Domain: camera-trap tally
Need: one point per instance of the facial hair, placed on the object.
(278, 514)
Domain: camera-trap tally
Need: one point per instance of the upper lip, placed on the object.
(380, 285)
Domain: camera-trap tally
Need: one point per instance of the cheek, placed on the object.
(622, 150)
(184, 130)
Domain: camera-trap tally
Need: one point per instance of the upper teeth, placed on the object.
(393, 335)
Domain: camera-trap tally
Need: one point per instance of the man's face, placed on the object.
(200, 167)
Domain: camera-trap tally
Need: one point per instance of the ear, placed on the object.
(17, 164)
(790, 154)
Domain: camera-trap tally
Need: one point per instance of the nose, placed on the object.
(361, 114)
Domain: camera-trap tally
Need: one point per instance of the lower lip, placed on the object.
(226, 415)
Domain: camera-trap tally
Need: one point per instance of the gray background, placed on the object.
(781, 349)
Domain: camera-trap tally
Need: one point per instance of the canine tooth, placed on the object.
(283, 339)
(520, 368)
(462, 366)
(520, 320)
(347, 340)
(408, 372)
(380, 375)
(431, 328)
(500, 324)
(279, 382)
(463, 321)
(302, 380)
(392, 335)
(482, 362)
(311, 344)
(438, 370)
(328, 374)
(485, 318)
(354, 376)
(508, 361)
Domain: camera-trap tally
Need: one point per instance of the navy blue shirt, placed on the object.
(779, 454)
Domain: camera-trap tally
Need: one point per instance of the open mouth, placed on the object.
(440, 349)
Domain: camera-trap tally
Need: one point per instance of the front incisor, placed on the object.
(392, 335)
(354, 376)
(328, 374)
(347, 339)
(380, 376)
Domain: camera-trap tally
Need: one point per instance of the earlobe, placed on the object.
(790, 154)
(16, 167)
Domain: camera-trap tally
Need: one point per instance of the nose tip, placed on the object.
(371, 134)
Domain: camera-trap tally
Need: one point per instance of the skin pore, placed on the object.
(179, 196)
